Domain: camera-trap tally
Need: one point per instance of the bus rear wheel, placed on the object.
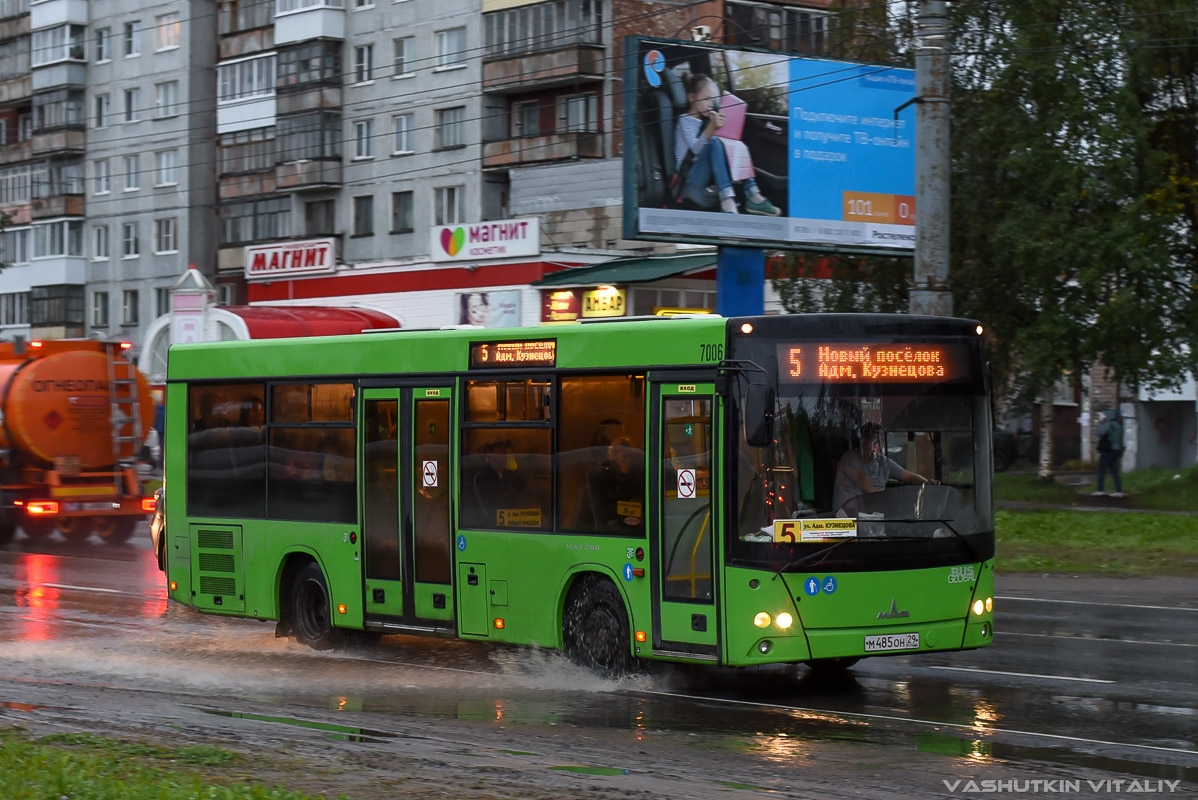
(595, 628)
(114, 530)
(75, 529)
(311, 610)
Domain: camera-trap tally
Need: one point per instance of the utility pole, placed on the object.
(933, 39)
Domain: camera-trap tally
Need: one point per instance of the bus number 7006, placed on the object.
(711, 352)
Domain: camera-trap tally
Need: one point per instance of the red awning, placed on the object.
(281, 322)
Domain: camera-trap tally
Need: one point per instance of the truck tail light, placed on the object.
(42, 508)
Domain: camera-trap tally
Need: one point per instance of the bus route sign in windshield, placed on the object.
(513, 354)
(860, 362)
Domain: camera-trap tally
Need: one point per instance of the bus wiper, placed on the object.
(795, 562)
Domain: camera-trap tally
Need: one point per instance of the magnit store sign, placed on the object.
(503, 238)
(288, 259)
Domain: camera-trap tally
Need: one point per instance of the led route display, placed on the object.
(513, 354)
(850, 362)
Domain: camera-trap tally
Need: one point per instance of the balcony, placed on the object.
(324, 21)
(247, 43)
(518, 72)
(15, 153)
(308, 176)
(249, 184)
(527, 150)
(59, 142)
(56, 205)
(307, 97)
(18, 88)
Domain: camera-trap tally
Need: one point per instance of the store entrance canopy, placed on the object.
(277, 322)
(628, 270)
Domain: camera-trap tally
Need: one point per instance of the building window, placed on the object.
(255, 220)
(103, 46)
(316, 134)
(100, 243)
(166, 31)
(162, 301)
(225, 295)
(164, 168)
(447, 205)
(60, 43)
(248, 151)
(246, 79)
(401, 212)
(102, 105)
(130, 247)
(129, 307)
(451, 47)
(364, 63)
(402, 125)
(776, 28)
(284, 6)
(578, 113)
(58, 238)
(543, 26)
(364, 139)
(132, 46)
(61, 108)
(244, 15)
(313, 62)
(363, 4)
(100, 310)
(320, 218)
(14, 246)
(132, 104)
(61, 304)
(14, 308)
(132, 173)
(166, 99)
(101, 176)
(401, 65)
(16, 186)
(526, 119)
(451, 127)
(364, 215)
(55, 178)
(166, 235)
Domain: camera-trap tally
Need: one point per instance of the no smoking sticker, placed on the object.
(428, 473)
(686, 484)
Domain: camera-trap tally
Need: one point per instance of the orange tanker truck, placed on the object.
(73, 416)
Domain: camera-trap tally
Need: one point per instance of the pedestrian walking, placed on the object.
(1110, 450)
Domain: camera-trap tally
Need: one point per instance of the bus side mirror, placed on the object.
(759, 415)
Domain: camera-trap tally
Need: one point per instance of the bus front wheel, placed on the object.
(311, 610)
(830, 666)
(595, 628)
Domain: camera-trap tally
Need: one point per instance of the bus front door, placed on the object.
(685, 517)
(406, 533)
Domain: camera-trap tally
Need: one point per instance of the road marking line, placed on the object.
(1089, 639)
(1092, 603)
(1026, 674)
(975, 729)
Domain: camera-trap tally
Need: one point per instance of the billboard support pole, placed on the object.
(740, 282)
(931, 294)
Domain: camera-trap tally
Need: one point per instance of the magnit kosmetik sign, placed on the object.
(502, 238)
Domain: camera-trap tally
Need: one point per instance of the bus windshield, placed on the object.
(867, 473)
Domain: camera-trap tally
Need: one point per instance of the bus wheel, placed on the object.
(7, 532)
(114, 530)
(75, 529)
(37, 528)
(311, 620)
(595, 628)
(830, 666)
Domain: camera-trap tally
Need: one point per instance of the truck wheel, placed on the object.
(595, 628)
(37, 528)
(114, 530)
(7, 532)
(311, 610)
(75, 529)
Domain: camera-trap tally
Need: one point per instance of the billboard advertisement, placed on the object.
(737, 146)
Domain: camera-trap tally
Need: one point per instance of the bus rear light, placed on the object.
(42, 508)
(341, 608)
(498, 624)
(148, 504)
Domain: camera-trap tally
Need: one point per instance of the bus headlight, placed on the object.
(978, 607)
(784, 620)
(762, 619)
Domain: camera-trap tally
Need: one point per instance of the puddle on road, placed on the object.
(343, 733)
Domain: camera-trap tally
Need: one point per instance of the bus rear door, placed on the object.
(406, 532)
(682, 542)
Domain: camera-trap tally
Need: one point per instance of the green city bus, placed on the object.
(737, 491)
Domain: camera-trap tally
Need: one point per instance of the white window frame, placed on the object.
(100, 244)
(411, 211)
(57, 44)
(246, 79)
(363, 140)
(100, 310)
(443, 197)
(458, 126)
(283, 7)
(401, 134)
(102, 108)
(132, 176)
(130, 300)
(70, 233)
(132, 97)
(167, 31)
(450, 59)
(131, 40)
(130, 245)
(166, 99)
(103, 46)
(101, 176)
(364, 64)
(354, 212)
(164, 172)
(401, 59)
(166, 235)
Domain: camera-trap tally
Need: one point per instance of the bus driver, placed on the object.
(865, 467)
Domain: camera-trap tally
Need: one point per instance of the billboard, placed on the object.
(752, 148)
(496, 309)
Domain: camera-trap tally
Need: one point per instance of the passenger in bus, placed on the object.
(497, 485)
(617, 492)
(866, 468)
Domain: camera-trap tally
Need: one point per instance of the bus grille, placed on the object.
(216, 562)
(214, 540)
(211, 584)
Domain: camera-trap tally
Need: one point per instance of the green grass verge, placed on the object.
(87, 767)
(1162, 489)
(1097, 542)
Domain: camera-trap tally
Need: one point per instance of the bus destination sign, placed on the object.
(492, 355)
(859, 362)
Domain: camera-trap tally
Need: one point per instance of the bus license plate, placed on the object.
(891, 641)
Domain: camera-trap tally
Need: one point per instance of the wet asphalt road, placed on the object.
(1093, 676)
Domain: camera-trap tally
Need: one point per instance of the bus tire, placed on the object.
(830, 666)
(114, 530)
(595, 628)
(37, 529)
(75, 529)
(311, 610)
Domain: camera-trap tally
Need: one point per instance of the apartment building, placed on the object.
(16, 167)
